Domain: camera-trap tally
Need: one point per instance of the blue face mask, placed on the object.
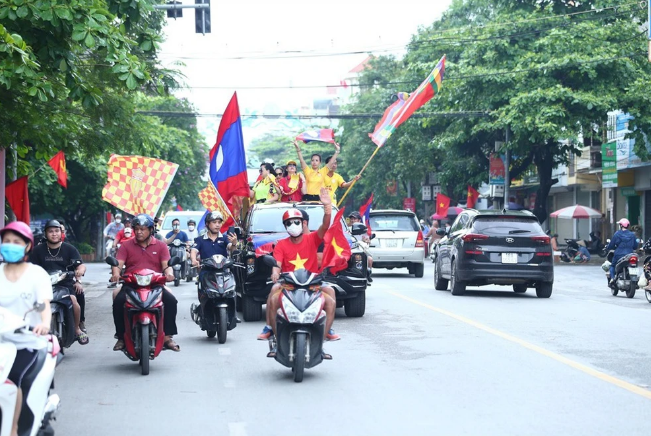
(12, 253)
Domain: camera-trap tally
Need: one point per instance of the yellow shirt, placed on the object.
(332, 183)
(263, 189)
(315, 179)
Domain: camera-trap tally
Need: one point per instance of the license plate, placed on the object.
(634, 272)
(391, 243)
(509, 258)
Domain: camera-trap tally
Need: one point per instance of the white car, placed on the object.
(184, 216)
(398, 241)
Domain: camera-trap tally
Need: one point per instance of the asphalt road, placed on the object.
(419, 362)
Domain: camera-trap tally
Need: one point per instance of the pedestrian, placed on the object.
(583, 255)
(555, 251)
(314, 174)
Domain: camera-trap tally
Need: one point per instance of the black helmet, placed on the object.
(51, 223)
(355, 215)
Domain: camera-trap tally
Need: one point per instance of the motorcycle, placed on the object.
(215, 312)
(646, 269)
(39, 406)
(177, 249)
(143, 313)
(63, 318)
(627, 274)
(300, 321)
(190, 271)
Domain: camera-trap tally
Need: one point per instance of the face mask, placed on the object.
(175, 227)
(191, 228)
(295, 229)
(118, 220)
(12, 253)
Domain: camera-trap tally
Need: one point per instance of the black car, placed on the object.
(495, 247)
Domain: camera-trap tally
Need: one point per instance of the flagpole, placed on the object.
(34, 173)
(360, 173)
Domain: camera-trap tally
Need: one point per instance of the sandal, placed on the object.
(82, 338)
(171, 345)
(272, 353)
(119, 345)
(326, 356)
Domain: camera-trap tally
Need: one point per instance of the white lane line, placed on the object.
(237, 428)
(224, 351)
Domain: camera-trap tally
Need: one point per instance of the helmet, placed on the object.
(355, 215)
(20, 228)
(143, 220)
(292, 213)
(192, 222)
(51, 223)
(118, 215)
(624, 223)
(212, 216)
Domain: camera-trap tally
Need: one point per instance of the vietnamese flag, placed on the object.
(18, 198)
(58, 164)
(442, 204)
(473, 195)
(336, 249)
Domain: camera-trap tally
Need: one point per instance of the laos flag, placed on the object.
(227, 159)
(323, 135)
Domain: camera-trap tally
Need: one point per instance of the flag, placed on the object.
(336, 249)
(323, 135)
(442, 204)
(227, 157)
(18, 198)
(365, 212)
(213, 202)
(138, 184)
(398, 112)
(58, 164)
(473, 195)
(267, 248)
(179, 208)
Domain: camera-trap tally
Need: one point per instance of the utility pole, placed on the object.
(507, 175)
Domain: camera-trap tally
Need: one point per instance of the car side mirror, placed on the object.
(270, 261)
(359, 229)
(441, 232)
(176, 260)
(112, 261)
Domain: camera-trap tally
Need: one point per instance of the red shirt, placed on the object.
(292, 257)
(296, 196)
(136, 257)
(120, 236)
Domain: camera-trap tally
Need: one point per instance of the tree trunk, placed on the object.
(544, 161)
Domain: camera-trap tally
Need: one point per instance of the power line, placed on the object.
(461, 114)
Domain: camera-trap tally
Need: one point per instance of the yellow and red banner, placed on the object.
(211, 200)
(138, 184)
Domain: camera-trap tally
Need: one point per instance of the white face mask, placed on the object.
(118, 220)
(294, 229)
(191, 228)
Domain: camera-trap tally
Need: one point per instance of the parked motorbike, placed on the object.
(39, 407)
(215, 313)
(300, 322)
(177, 249)
(144, 336)
(63, 318)
(627, 274)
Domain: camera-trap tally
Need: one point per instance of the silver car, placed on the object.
(398, 241)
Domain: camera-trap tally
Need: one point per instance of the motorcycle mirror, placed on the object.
(441, 231)
(359, 229)
(372, 235)
(174, 261)
(39, 306)
(270, 261)
(112, 261)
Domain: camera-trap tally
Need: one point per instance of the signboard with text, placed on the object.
(609, 164)
(409, 203)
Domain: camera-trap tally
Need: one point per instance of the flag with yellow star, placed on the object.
(336, 249)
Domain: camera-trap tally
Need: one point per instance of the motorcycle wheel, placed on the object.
(647, 294)
(144, 349)
(299, 357)
(211, 333)
(630, 292)
(614, 291)
(222, 329)
(177, 281)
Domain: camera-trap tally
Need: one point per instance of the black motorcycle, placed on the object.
(190, 271)
(215, 313)
(62, 324)
(646, 269)
(177, 249)
(627, 274)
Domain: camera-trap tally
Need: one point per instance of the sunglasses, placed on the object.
(279, 173)
(295, 222)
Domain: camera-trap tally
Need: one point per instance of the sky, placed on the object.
(283, 44)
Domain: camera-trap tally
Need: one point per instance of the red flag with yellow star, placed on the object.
(336, 249)
(442, 204)
(58, 164)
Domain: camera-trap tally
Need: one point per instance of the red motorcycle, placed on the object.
(143, 313)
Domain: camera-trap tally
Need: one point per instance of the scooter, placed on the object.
(215, 312)
(63, 318)
(177, 249)
(39, 407)
(300, 321)
(627, 274)
(144, 336)
(190, 271)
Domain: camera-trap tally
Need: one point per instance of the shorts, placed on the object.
(25, 359)
(310, 197)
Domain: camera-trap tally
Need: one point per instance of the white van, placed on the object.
(183, 216)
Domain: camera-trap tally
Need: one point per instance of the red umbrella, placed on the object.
(452, 211)
(576, 212)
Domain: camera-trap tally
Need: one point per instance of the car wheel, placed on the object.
(519, 289)
(544, 290)
(457, 286)
(440, 284)
(419, 270)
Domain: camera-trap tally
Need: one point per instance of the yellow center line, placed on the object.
(574, 364)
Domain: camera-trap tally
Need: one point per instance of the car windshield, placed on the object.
(500, 226)
(167, 223)
(403, 223)
(270, 220)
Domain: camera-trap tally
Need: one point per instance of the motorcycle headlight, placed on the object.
(143, 280)
(177, 242)
(294, 315)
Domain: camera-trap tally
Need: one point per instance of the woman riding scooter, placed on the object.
(624, 242)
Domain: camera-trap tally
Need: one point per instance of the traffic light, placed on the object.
(202, 17)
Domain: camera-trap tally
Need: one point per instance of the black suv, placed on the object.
(263, 226)
(494, 247)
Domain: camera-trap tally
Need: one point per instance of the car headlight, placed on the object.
(143, 280)
(294, 315)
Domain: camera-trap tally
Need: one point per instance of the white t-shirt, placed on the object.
(19, 297)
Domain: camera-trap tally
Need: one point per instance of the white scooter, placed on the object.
(39, 406)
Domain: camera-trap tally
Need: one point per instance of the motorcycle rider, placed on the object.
(144, 252)
(299, 251)
(356, 217)
(192, 232)
(176, 233)
(23, 284)
(624, 242)
(56, 255)
(111, 231)
(121, 235)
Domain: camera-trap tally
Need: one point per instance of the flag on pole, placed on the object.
(336, 249)
(138, 184)
(227, 157)
(58, 164)
(399, 112)
(17, 196)
(212, 201)
(365, 212)
(442, 204)
(473, 195)
(323, 135)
